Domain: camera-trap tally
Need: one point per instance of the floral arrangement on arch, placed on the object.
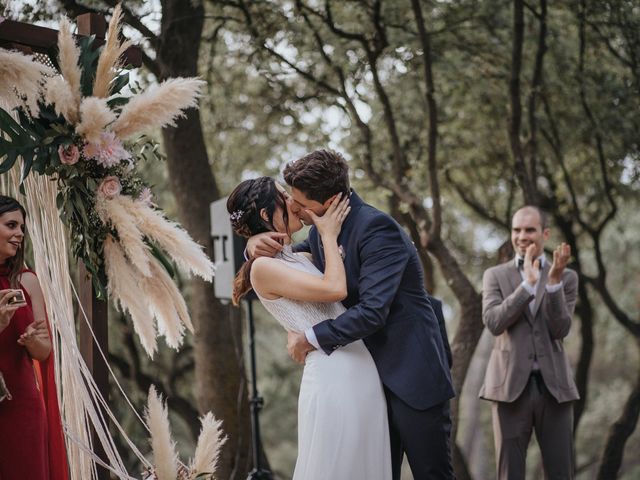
(77, 128)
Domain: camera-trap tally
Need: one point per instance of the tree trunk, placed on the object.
(477, 451)
(515, 115)
(619, 433)
(585, 312)
(466, 339)
(470, 326)
(219, 366)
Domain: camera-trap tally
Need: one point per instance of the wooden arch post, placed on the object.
(40, 40)
(94, 345)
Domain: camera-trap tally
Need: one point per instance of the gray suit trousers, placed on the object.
(535, 409)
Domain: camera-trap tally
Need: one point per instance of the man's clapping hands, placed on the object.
(561, 257)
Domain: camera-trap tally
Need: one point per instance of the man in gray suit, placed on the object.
(527, 304)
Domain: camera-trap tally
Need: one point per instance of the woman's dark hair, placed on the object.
(319, 175)
(245, 205)
(14, 264)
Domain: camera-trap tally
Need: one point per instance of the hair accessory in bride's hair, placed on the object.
(235, 218)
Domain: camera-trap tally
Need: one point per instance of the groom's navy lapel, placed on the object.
(320, 249)
(355, 202)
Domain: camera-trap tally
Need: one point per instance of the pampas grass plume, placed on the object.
(159, 106)
(210, 442)
(187, 254)
(114, 211)
(173, 293)
(109, 60)
(164, 452)
(162, 298)
(68, 55)
(124, 289)
(58, 92)
(95, 115)
(161, 303)
(25, 75)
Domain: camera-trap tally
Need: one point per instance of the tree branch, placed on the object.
(596, 131)
(515, 117)
(633, 326)
(400, 163)
(432, 110)
(475, 205)
(536, 85)
(350, 105)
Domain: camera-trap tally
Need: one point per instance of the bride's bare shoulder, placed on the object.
(267, 267)
(262, 263)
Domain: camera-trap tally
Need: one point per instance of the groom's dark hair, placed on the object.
(319, 175)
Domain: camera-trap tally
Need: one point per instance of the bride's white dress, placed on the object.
(343, 432)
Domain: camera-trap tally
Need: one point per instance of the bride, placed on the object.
(343, 433)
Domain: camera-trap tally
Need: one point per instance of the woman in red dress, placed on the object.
(31, 440)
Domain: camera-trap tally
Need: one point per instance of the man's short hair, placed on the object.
(319, 175)
(541, 214)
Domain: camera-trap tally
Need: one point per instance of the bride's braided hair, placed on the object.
(245, 206)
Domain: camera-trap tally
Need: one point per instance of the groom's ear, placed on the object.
(328, 201)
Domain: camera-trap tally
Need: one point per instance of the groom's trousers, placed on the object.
(425, 437)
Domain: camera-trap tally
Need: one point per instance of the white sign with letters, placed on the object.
(225, 256)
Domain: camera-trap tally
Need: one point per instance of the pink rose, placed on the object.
(110, 187)
(68, 155)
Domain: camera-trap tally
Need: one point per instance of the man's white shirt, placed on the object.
(533, 289)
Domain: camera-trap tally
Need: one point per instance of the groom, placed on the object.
(388, 307)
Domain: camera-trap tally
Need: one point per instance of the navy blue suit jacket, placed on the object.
(388, 307)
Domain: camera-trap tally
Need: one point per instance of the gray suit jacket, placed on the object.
(521, 336)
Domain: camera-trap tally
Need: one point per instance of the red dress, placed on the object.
(31, 440)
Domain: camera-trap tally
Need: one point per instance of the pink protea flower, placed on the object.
(110, 187)
(69, 155)
(108, 151)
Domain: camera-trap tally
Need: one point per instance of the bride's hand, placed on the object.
(330, 223)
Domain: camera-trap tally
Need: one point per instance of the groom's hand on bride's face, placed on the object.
(266, 244)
